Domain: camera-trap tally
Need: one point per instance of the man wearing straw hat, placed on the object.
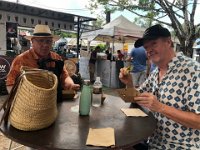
(42, 41)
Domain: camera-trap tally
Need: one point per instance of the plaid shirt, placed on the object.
(30, 59)
(180, 88)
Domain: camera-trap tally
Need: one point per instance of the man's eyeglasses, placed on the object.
(44, 41)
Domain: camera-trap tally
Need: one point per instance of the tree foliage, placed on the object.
(100, 21)
(180, 14)
(65, 34)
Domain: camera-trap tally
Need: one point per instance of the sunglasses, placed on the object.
(42, 41)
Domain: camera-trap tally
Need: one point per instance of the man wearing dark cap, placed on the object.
(171, 92)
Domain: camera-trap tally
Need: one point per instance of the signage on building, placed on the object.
(4, 68)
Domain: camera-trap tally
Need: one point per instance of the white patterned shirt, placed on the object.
(179, 88)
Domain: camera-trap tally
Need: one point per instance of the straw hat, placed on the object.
(42, 31)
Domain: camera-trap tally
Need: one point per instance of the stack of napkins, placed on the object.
(101, 137)
(134, 112)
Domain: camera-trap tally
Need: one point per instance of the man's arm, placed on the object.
(67, 82)
(128, 58)
(186, 118)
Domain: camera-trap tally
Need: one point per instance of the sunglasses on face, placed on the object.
(44, 41)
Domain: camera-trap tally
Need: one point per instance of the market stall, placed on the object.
(120, 30)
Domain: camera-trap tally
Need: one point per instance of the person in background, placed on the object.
(139, 63)
(42, 41)
(120, 56)
(109, 55)
(92, 62)
(150, 67)
(119, 65)
(171, 92)
(8, 43)
(16, 45)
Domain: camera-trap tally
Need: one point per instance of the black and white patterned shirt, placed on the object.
(179, 88)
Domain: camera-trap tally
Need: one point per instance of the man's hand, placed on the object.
(69, 84)
(125, 76)
(75, 87)
(150, 101)
(72, 86)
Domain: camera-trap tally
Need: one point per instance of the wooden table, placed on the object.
(70, 130)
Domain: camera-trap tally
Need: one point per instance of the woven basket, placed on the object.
(34, 106)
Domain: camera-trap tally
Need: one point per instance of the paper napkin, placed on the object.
(101, 137)
(136, 112)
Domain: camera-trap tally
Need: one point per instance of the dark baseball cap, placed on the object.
(152, 33)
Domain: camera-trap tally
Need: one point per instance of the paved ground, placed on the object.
(5, 142)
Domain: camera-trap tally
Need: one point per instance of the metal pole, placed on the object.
(78, 35)
(113, 47)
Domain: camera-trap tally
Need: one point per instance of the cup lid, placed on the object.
(86, 82)
(97, 78)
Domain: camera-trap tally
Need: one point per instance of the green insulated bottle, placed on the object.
(85, 99)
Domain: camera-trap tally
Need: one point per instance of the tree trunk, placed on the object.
(186, 47)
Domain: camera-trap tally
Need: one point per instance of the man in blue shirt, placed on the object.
(138, 60)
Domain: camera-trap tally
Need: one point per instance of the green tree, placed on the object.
(65, 34)
(102, 47)
(145, 23)
(99, 22)
(180, 14)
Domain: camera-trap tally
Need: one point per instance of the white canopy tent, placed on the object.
(83, 42)
(120, 30)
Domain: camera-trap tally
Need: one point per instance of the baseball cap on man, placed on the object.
(154, 32)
